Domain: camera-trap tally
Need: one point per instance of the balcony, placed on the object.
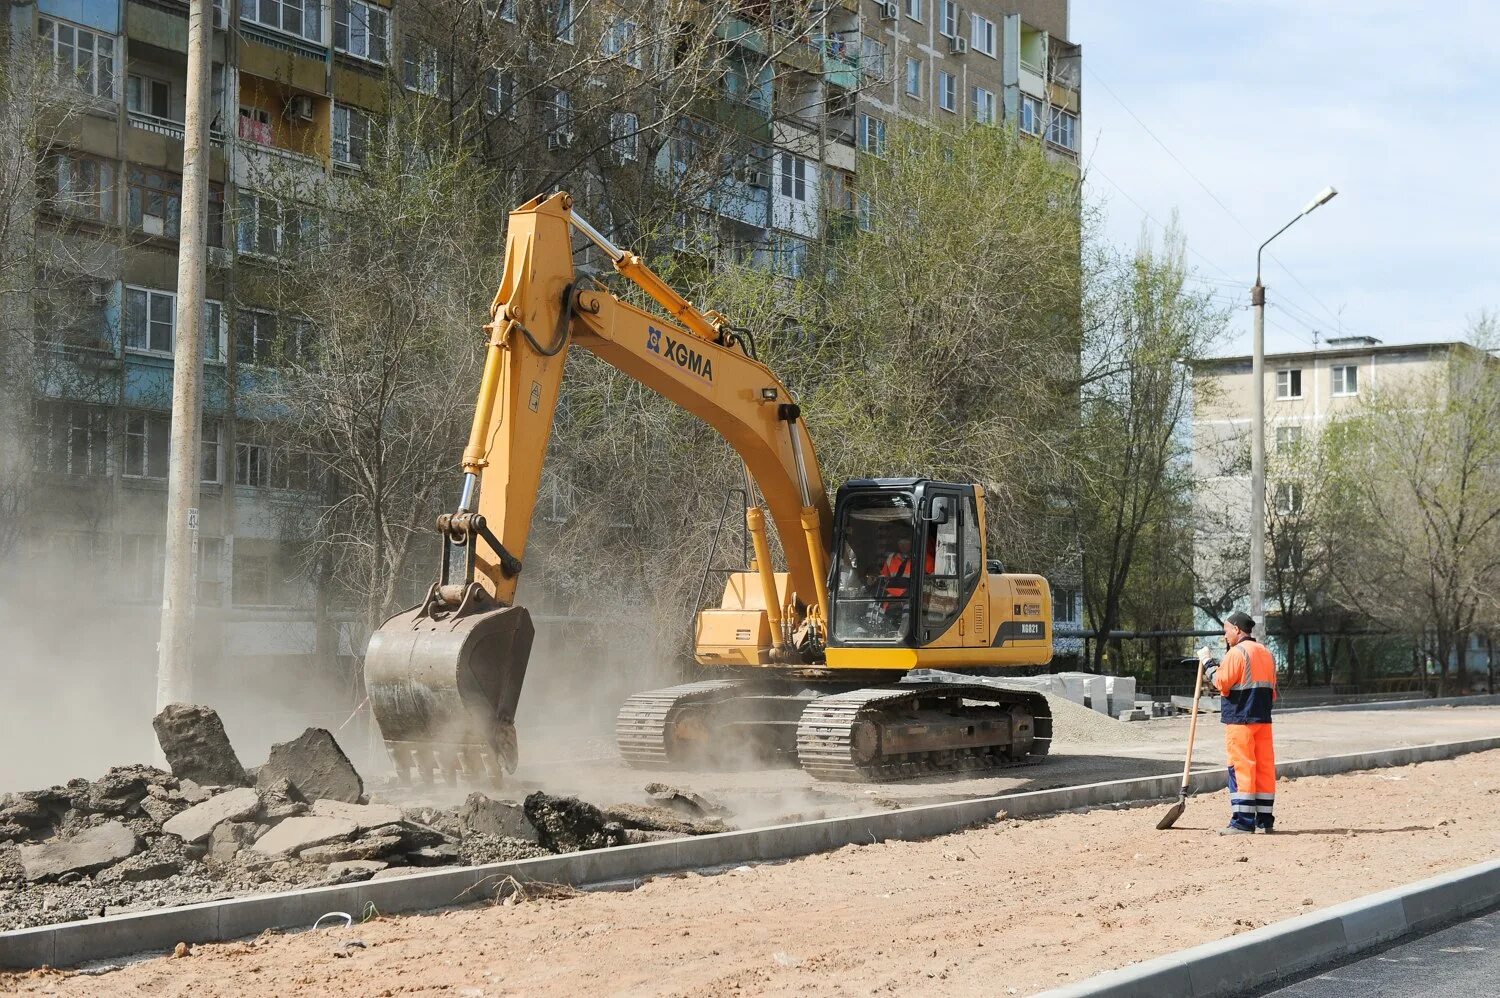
(171, 129)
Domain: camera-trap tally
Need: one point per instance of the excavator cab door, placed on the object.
(875, 567)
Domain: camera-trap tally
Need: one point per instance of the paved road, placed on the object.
(1461, 961)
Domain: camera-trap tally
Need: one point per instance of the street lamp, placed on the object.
(1258, 426)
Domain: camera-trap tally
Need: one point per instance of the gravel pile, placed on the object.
(1075, 724)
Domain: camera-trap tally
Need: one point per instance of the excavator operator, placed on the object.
(896, 570)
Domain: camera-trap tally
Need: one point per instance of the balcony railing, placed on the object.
(168, 127)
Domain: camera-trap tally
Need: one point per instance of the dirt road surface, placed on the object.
(1082, 753)
(1012, 907)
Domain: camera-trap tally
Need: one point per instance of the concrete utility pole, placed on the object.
(1258, 428)
(179, 587)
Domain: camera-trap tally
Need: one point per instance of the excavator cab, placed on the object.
(909, 555)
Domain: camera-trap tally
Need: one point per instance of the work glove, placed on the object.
(1209, 666)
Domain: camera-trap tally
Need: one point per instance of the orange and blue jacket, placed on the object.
(1247, 682)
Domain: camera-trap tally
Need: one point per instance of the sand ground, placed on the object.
(1012, 907)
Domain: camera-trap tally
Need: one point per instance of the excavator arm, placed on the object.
(444, 677)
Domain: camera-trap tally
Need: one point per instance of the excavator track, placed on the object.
(644, 725)
(841, 737)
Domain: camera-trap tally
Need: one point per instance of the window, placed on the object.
(563, 20)
(146, 445)
(872, 60)
(1062, 129)
(255, 125)
(789, 255)
(500, 94)
(361, 29)
(143, 95)
(142, 561)
(70, 439)
(1288, 438)
(973, 550)
(258, 224)
(914, 9)
(864, 212)
(210, 560)
(151, 322)
(303, 18)
(913, 77)
(351, 135)
(620, 42)
(561, 114)
(1064, 606)
(940, 592)
(153, 201)
(793, 177)
(210, 450)
(255, 337)
(505, 10)
(80, 185)
(263, 574)
(982, 35)
(872, 134)
(1031, 115)
(73, 310)
(419, 67)
(1289, 556)
(947, 91)
(80, 57)
(984, 105)
(1288, 497)
(624, 135)
(950, 18)
(1289, 383)
(1346, 380)
(258, 464)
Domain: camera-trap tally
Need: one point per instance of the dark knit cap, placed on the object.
(1242, 620)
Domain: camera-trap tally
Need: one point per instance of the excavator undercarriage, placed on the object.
(846, 731)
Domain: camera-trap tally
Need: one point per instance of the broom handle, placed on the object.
(1187, 765)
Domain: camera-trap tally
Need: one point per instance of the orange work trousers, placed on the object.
(1252, 775)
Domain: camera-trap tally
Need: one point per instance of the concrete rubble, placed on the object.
(140, 837)
(193, 741)
(315, 766)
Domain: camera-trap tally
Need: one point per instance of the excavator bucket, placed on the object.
(444, 688)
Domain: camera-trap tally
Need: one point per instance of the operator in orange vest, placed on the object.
(896, 570)
(1246, 680)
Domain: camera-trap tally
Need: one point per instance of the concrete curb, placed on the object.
(1478, 700)
(1284, 949)
(71, 943)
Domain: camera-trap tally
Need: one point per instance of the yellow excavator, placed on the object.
(815, 660)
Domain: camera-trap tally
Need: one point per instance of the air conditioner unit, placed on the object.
(559, 140)
(958, 45)
(300, 108)
(750, 176)
(889, 12)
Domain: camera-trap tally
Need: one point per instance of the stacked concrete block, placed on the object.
(1121, 692)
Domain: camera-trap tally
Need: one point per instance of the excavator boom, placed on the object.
(444, 677)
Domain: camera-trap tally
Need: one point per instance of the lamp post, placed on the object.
(1258, 426)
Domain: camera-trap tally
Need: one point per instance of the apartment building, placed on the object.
(297, 86)
(1304, 391)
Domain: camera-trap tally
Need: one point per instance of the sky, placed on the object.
(1260, 104)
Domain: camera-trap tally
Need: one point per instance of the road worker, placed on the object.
(1246, 680)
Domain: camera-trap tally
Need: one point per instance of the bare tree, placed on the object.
(1419, 493)
(1135, 477)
